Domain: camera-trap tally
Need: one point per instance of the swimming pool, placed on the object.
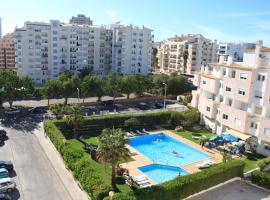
(162, 173)
(165, 150)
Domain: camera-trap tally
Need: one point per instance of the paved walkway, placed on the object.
(54, 157)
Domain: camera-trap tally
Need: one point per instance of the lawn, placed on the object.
(187, 133)
(104, 169)
(251, 161)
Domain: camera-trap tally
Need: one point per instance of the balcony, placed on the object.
(207, 107)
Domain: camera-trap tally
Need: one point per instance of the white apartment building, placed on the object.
(132, 49)
(235, 50)
(81, 19)
(43, 50)
(185, 53)
(234, 97)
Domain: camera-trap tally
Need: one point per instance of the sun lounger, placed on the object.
(133, 133)
(139, 132)
(144, 131)
(142, 182)
(129, 134)
(206, 164)
(139, 178)
(146, 185)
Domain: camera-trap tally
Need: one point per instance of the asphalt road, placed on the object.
(34, 174)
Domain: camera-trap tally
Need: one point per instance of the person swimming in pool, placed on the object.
(158, 140)
(175, 152)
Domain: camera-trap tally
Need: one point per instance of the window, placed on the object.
(208, 108)
(253, 125)
(204, 82)
(224, 116)
(243, 75)
(258, 95)
(224, 72)
(261, 77)
(233, 74)
(228, 89)
(267, 146)
(267, 131)
(237, 122)
(241, 92)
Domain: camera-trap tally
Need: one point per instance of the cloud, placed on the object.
(222, 36)
(244, 14)
(112, 14)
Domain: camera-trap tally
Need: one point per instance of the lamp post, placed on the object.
(78, 93)
(165, 85)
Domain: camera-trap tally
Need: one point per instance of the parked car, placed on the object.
(7, 185)
(5, 197)
(37, 110)
(3, 173)
(143, 106)
(7, 165)
(13, 111)
(107, 103)
(158, 105)
(3, 133)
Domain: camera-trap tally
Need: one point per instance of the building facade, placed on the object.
(185, 53)
(234, 97)
(234, 50)
(43, 50)
(81, 19)
(7, 53)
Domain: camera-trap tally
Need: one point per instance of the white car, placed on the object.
(7, 185)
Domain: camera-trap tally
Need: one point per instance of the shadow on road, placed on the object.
(26, 123)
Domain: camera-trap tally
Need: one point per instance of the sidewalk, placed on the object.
(66, 176)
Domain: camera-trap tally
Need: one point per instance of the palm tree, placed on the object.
(75, 118)
(58, 109)
(112, 148)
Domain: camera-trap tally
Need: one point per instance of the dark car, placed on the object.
(143, 106)
(7, 165)
(3, 135)
(5, 197)
(37, 110)
(107, 103)
(158, 105)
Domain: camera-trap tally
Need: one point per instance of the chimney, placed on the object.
(259, 45)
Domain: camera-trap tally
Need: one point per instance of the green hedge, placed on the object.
(261, 178)
(263, 163)
(86, 171)
(190, 116)
(184, 186)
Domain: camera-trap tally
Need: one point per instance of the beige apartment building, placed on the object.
(7, 60)
(185, 53)
(234, 97)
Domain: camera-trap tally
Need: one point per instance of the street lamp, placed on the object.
(78, 93)
(165, 85)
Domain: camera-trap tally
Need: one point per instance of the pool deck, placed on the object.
(141, 160)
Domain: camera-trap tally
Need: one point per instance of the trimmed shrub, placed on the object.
(261, 178)
(86, 171)
(184, 186)
(262, 164)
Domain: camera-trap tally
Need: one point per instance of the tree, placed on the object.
(144, 83)
(100, 87)
(185, 57)
(51, 89)
(128, 85)
(75, 118)
(226, 157)
(114, 82)
(88, 87)
(14, 87)
(69, 85)
(157, 81)
(177, 85)
(112, 148)
(187, 99)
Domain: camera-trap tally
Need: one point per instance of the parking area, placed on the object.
(34, 174)
(236, 190)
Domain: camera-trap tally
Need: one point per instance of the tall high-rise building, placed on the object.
(43, 50)
(234, 50)
(0, 27)
(81, 19)
(7, 60)
(234, 97)
(185, 53)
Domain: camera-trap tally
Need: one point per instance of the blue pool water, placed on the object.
(160, 147)
(162, 173)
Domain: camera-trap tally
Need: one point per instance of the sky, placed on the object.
(223, 20)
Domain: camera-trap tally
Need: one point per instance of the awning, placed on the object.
(240, 135)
